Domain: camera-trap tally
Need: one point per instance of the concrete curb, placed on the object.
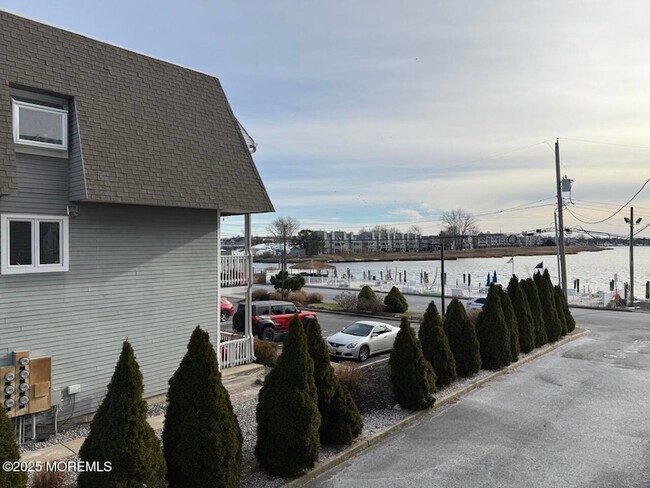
(361, 445)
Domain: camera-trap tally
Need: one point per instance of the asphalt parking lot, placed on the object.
(575, 417)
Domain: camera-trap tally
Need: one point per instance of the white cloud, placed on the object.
(364, 109)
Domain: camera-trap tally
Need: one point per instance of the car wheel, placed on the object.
(224, 315)
(238, 322)
(364, 353)
(267, 334)
(306, 322)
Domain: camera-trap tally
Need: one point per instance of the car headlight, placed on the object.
(351, 346)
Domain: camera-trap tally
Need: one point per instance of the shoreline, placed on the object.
(490, 252)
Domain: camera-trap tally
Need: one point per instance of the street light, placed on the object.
(632, 222)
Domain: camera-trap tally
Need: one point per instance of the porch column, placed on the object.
(248, 328)
(219, 273)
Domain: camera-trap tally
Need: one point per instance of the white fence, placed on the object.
(234, 270)
(598, 299)
(235, 352)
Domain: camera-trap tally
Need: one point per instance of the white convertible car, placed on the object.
(361, 339)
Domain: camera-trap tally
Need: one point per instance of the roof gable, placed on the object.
(151, 133)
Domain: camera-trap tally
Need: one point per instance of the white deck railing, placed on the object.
(234, 270)
(235, 352)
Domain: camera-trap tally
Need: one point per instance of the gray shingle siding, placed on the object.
(143, 273)
(154, 151)
(152, 133)
(8, 183)
(42, 186)
(77, 178)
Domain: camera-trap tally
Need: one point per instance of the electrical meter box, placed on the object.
(26, 385)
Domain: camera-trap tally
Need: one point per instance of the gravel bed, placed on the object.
(252, 475)
(244, 405)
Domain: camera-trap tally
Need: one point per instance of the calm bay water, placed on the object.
(593, 269)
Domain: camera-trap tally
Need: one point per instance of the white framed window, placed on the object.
(33, 243)
(40, 125)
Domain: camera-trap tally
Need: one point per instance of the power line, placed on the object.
(525, 206)
(615, 213)
(604, 143)
(604, 207)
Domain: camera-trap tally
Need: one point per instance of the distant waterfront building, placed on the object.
(342, 242)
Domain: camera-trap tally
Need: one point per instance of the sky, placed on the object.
(391, 113)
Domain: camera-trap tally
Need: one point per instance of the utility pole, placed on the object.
(560, 217)
(442, 274)
(632, 222)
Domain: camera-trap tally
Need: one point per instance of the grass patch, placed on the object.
(331, 307)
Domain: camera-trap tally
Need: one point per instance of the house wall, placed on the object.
(78, 189)
(42, 186)
(148, 274)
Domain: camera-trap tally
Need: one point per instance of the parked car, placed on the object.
(270, 317)
(476, 303)
(361, 339)
(226, 309)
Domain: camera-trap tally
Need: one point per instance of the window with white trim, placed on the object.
(40, 125)
(33, 243)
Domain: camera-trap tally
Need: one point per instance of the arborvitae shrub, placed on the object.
(395, 301)
(435, 346)
(201, 439)
(537, 276)
(552, 323)
(472, 315)
(559, 307)
(9, 452)
(367, 301)
(493, 333)
(340, 418)
(523, 315)
(462, 339)
(367, 293)
(120, 434)
(530, 289)
(412, 377)
(570, 322)
(511, 322)
(287, 411)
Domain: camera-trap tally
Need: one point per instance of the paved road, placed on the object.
(417, 303)
(578, 416)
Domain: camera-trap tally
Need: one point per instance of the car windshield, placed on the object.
(358, 329)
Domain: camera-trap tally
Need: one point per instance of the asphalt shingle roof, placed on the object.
(152, 133)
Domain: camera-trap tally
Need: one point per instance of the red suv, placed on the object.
(269, 317)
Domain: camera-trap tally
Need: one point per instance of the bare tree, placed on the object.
(380, 229)
(414, 229)
(282, 229)
(458, 222)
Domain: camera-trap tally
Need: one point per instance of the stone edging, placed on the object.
(361, 445)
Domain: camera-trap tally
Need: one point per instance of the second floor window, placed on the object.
(40, 125)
